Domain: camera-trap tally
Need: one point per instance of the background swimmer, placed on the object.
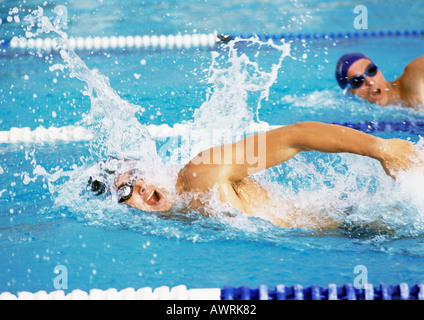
(359, 75)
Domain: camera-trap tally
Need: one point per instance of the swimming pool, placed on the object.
(48, 221)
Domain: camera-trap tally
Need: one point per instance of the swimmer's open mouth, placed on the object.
(153, 198)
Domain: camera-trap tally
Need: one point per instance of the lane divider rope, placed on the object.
(178, 41)
(280, 292)
(185, 41)
(75, 133)
(41, 134)
(331, 35)
(331, 292)
(386, 126)
(161, 293)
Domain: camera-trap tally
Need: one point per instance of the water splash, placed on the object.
(351, 189)
(111, 119)
(116, 133)
(357, 192)
(238, 85)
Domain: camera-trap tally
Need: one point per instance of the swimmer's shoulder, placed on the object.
(200, 177)
(199, 180)
(417, 63)
(413, 72)
(411, 82)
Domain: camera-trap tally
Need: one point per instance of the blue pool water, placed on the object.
(47, 220)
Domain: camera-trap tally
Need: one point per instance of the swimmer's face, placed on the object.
(374, 89)
(138, 194)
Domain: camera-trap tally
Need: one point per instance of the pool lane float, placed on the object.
(76, 133)
(280, 292)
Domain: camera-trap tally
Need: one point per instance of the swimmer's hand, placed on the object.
(399, 155)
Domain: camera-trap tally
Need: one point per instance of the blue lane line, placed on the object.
(332, 35)
(385, 126)
(332, 292)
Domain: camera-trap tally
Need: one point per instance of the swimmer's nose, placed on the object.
(368, 85)
(369, 82)
(141, 186)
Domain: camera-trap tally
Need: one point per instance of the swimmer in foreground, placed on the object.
(228, 169)
(359, 75)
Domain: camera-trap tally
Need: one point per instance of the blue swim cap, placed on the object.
(343, 66)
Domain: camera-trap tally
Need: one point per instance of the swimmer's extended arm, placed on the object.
(257, 152)
(287, 141)
(394, 154)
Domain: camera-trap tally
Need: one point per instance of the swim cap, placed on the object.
(343, 66)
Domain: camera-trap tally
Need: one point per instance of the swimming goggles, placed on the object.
(126, 190)
(357, 81)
